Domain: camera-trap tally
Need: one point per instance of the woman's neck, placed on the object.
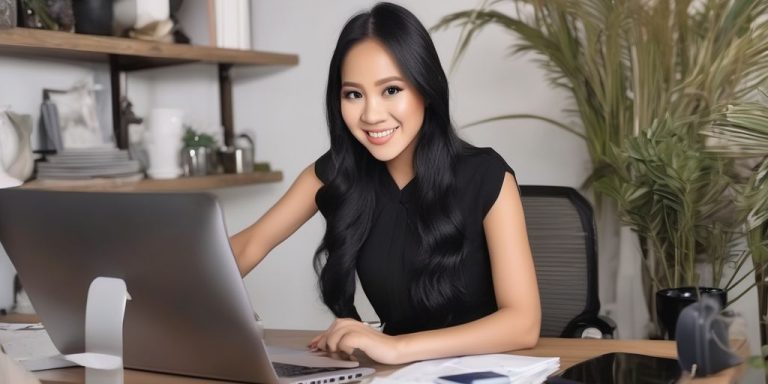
(401, 167)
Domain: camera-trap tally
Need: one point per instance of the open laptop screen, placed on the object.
(189, 312)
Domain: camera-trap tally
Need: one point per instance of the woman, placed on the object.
(432, 226)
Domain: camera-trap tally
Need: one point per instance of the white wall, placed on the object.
(21, 88)
(284, 107)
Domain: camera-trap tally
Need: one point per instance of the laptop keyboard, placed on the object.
(290, 370)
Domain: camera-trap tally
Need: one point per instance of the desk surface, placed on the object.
(570, 351)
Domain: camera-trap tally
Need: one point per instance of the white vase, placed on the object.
(23, 165)
(7, 181)
(9, 148)
(163, 142)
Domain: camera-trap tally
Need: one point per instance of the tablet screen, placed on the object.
(621, 368)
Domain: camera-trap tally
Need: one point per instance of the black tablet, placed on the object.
(615, 368)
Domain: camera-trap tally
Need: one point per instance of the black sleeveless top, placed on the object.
(384, 262)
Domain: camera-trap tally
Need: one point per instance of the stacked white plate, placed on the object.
(76, 164)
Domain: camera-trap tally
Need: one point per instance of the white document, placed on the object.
(20, 326)
(519, 369)
(33, 349)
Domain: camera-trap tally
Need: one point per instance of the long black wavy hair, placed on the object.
(347, 199)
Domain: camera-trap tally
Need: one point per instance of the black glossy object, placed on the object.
(93, 17)
(620, 368)
(671, 301)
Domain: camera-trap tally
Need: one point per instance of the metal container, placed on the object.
(238, 158)
(246, 144)
(198, 161)
(231, 159)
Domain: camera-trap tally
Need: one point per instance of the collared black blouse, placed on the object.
(384, 263)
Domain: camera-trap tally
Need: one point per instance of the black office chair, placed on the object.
(561, 231)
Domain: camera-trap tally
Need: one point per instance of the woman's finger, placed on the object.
(313, 343)
(322, 340)
(334, 337)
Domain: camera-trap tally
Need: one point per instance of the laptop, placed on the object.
(189, 313)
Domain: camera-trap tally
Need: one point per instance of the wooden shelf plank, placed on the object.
(171, 185)
(19, 318)
(134, 54)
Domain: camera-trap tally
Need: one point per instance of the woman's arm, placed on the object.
(515, 325)
(283, 219)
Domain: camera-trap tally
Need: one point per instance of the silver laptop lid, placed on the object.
(189, 312)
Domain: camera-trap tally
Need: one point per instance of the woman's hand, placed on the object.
(347, 335)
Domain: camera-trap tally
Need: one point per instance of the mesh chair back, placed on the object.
(562, 236)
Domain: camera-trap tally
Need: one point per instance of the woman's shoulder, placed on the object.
(479, 177)
(475, 161)
(324, 167)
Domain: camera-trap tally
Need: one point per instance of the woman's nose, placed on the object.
(373, 112)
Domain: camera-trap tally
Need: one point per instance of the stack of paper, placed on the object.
(88, 163)
(31, 346)
(519, 369)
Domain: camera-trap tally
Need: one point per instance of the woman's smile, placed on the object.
(380, 137)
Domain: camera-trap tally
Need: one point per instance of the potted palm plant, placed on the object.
(640, 73)
(741, 132)
(677, 198)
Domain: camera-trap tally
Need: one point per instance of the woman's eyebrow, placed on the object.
(350, 84)
(388, 79)
(378, 82)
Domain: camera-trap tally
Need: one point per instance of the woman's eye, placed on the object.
(391, 91)
(352, 95)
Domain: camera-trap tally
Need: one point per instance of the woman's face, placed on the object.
(381, 109)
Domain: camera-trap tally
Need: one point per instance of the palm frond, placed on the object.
(526, 116)
(650, 82)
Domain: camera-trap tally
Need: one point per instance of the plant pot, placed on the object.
(198, 161)
(93, 17)
(671, 301)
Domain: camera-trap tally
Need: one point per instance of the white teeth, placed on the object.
(381, 133)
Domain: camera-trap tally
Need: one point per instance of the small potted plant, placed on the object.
(198, 155)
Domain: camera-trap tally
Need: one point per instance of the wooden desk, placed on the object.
(570, 351)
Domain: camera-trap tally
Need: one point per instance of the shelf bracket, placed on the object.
(117, 90)
(225, 99)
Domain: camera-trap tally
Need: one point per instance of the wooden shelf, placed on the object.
(124, 54)
(131, 54)
(172, 185)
